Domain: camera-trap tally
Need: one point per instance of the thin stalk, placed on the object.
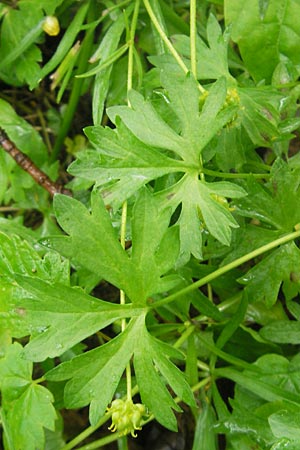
(193, 52)
(86, 433)
(214, 173)
(193, 35)
(124, 207)
(164, 37)
(131, 46)
(91, 429)
(188, 331)
(217, 273)
(122, 296)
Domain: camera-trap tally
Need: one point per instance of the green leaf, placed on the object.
(264, 36)
(277, 267)
(263, 389)
(255, 404)
(22, 134)
(93, 244)
(282, 332)
(91, 379)
(64, 45)
(108, 45)
(120, 156)
(59, 316)
(93, 241)
(286, 424)
(278, 379)
(19, 394)
(143, 120)
(18, 257)
(259, 114)
(129, 157)
(20, 32)
(146, 124)
(275, 203)
(200, 206)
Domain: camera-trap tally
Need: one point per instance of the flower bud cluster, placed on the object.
(126, 416)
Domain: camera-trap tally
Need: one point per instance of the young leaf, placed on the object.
(21, 394)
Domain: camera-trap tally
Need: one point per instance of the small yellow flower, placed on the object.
(126, 416)
(51, 26)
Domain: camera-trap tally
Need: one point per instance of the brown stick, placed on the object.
(28, 165)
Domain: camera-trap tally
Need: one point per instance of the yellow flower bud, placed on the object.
(51, 26)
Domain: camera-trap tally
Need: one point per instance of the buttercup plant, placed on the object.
(181, 195)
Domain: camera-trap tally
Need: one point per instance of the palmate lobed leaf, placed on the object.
(95, 375)
(59, 317)
(202, 205)
(121, 157)
(197, 129)
(140, 149)
(21, 394)
(93, 244)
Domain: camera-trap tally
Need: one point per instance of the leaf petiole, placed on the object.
(222, 270)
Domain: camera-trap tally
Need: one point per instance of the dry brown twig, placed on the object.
(28, 165)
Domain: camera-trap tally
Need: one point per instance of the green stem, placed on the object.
(193, 35)
(188, 331)
(131, 45)
(214, 173)
(124, 207)
(217, 273)
(164, 37)
(85, 433)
